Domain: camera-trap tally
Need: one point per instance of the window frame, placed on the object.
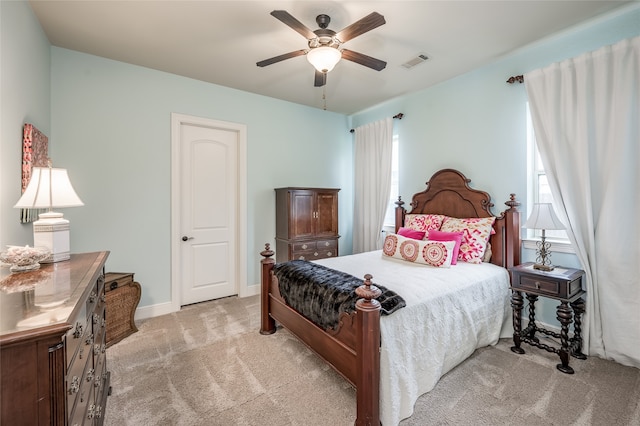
(535, 173)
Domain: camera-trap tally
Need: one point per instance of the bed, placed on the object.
(361, 347)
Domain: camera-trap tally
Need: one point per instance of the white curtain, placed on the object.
(373, 151)
(586, 116)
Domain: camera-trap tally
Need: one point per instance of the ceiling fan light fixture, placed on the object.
(324, 58)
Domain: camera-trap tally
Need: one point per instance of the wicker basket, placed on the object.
(122, 298)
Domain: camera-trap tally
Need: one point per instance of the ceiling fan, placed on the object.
(324, 44)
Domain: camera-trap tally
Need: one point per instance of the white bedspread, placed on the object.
(450, 312)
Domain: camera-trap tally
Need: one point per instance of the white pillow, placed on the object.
(432, 253)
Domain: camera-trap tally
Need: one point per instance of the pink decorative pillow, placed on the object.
(435, 235)
(423, 222)
(433, 253)
(411, 233)
(476, 233)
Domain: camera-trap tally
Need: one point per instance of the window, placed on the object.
(539, 190)
(390, 216)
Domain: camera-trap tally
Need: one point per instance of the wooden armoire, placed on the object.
(306, 223)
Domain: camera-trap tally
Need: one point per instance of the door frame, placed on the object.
(177, 120)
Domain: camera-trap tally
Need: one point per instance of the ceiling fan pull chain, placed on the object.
(324, 97)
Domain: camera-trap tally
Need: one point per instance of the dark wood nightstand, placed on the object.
(562, 284)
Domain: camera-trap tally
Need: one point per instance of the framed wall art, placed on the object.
(35, 153)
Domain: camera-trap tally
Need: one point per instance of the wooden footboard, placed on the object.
(352, 349)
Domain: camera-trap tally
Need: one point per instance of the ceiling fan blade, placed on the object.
(281, 58)
(320, 79)
(287, 19)
(363, 59)
(369, 22)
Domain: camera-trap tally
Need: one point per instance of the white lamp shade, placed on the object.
(324, 58)
(543, 217)
(41, 193)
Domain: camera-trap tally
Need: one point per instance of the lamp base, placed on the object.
(51, 231)
(542, 267)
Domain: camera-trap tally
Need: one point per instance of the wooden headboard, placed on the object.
(448, 193)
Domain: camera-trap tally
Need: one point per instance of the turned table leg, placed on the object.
(578, 310)
(532, 298)
(516, 304)
(564, 315)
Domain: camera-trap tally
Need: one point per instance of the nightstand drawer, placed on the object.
(560, 283)
(551, 288)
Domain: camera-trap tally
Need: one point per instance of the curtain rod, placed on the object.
(398, 116)
(516, 78)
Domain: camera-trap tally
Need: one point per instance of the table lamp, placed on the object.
(49, 188)
(543, 217)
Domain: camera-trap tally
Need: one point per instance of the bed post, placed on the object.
(400, 212)
(368, 358)
(267, 324)
(512, 225)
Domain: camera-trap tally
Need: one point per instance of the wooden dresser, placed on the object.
(52, 343)
(306, 223)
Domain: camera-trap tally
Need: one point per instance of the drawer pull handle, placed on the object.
(78, 331)
(89, 339)
(90, 374)
(91, 412)
(304, 246)
(538, 285)
(315, 253)
(74, 387)
(329, 254)
(92, 297)
(301, 258)
(326, 243)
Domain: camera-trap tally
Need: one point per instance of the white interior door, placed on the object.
(208, 211)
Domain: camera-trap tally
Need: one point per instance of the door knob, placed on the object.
(185, 238)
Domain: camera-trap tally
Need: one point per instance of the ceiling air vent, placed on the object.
(415, 61)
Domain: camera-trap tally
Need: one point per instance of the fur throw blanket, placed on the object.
(321, 294)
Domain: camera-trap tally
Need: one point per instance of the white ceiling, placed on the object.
(221, 41)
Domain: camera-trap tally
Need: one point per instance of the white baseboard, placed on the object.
(146, 312)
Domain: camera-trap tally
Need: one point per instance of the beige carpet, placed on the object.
(208, 365)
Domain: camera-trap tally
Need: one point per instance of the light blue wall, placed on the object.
(476, 123)
(111, 123)
(24, 98)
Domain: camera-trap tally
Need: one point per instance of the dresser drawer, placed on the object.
(313, 255)
(84, 411)
(79, 383)
(305, 255)
(327, 245)
(76, 338)
(92, 301)
(305, 246)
